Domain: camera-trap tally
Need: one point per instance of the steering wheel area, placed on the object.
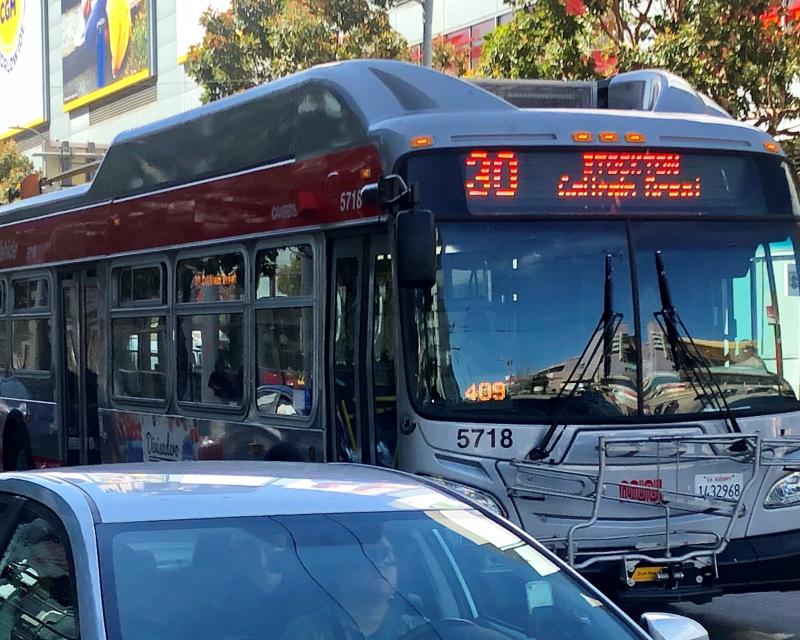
(441, 629)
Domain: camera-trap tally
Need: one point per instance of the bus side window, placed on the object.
(324, 123)
(3, 328)
(284, 284)
(139, 332)
(30, 327)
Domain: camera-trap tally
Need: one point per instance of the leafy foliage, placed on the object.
(259, 40)
(543, 40)
(13, 168)
(449, 58)
(729, 51)
(745, 54)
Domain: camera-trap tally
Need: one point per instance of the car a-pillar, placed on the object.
(16, 444)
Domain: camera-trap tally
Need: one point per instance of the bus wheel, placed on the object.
(16, 449)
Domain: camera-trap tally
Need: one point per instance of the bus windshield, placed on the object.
(540, 320)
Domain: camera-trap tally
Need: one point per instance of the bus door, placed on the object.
(361, 354)
(80, 358)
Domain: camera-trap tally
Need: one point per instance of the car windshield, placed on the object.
(386, 576)
(540, 320)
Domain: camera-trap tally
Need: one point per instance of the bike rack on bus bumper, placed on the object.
(752, 452)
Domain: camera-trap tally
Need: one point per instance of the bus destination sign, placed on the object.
(601, 174)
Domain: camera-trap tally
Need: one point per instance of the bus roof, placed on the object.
(391, 102)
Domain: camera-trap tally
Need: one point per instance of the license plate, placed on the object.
(646, 574)
(726, 486)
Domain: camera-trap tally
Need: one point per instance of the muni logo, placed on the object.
(12, 27)
(641, 490)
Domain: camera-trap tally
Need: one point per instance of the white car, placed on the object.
(262, 551)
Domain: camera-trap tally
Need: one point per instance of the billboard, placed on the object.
(188, 19)
(22, 88)
(106, 46)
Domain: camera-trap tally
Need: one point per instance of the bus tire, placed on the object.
(16, 447)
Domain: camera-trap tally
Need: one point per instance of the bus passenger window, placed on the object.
(211, 279)
(3, 328)
(138, 285)
(324, 123)
(31, 344)
(209, 340)
(210, 354)
(31, 294)
(30, 326)
(284, 287)
(139, 342)
(284, 342)
(139, 357)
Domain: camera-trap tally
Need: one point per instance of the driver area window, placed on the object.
(37, 581)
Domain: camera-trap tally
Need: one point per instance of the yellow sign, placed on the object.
(11, 31)
(646, 574)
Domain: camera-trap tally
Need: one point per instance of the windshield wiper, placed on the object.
(689, 362)
(606, 329)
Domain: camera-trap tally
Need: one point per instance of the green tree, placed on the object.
(744, 54)
(730, 50)
(13, 168)
(256, 41)
(543, 40)
(449, 58)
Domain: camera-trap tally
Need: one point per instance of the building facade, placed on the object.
(463, 23)
(75, 73)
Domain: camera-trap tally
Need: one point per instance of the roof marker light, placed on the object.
(636, 138)
(418, 142)
(772, 147)
(608, 136)
(582, 136)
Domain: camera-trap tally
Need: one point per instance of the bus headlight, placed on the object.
(486, 500)
(785, 492)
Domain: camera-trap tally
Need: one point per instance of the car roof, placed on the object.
(194, 490)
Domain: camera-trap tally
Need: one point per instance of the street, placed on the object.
(762, 616)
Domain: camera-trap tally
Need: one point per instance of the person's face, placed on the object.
(386, 562)
(373, 579)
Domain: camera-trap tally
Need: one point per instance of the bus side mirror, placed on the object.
(416, 249)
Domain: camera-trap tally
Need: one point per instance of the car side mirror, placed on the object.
(416, 249)
(667, 626)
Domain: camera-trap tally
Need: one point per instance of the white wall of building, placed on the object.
(448, 15)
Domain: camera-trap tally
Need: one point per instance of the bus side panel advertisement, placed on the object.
(106, 46)
(22, 88)
(188, 15)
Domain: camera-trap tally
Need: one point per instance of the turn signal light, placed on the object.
(418, 142)
(582, 136)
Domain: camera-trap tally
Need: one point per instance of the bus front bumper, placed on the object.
(760, 563)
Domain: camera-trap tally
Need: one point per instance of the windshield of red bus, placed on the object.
(533, 320)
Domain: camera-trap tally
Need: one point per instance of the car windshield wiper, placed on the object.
(602, 337)
(688, 359)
